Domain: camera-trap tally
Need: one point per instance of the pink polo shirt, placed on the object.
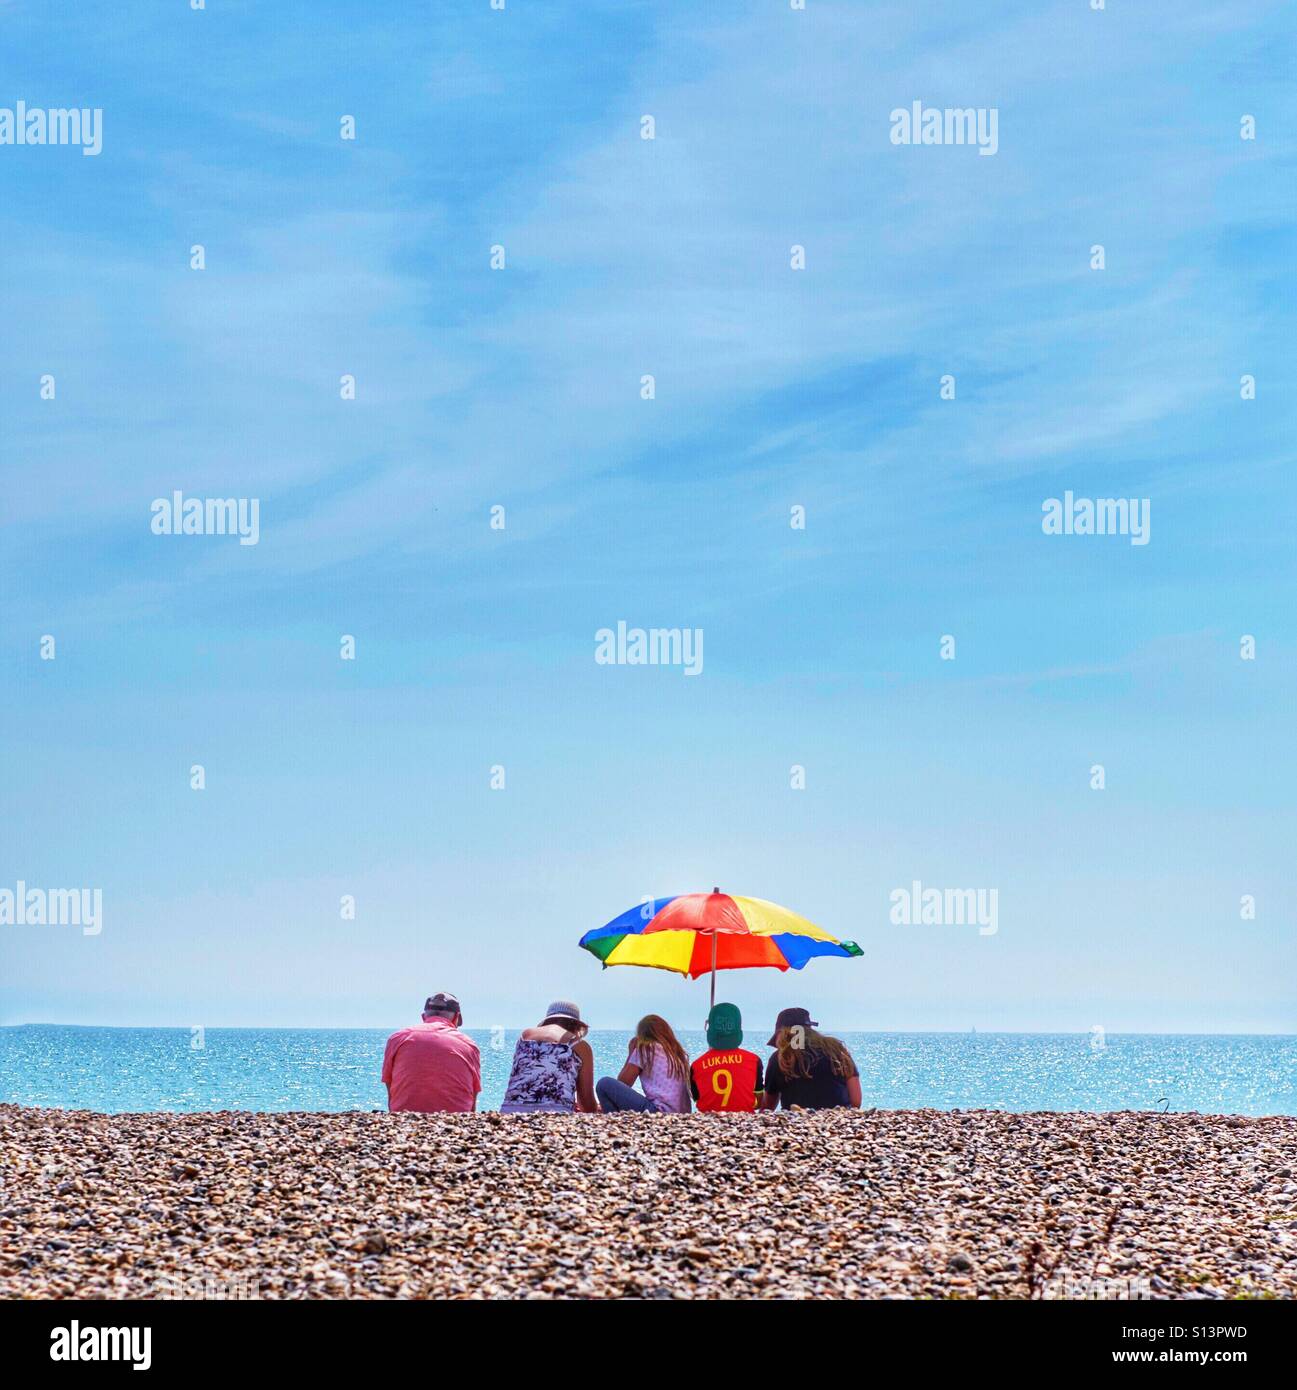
(430, 1067)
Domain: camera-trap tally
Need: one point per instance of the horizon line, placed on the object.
(511, 1028)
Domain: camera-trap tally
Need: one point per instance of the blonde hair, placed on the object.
(797, 1060)
(653, 1032)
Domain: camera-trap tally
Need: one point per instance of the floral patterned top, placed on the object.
(543, 1079)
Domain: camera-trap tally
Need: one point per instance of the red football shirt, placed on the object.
(726, 1079)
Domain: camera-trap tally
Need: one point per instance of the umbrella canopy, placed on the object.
(697, 933)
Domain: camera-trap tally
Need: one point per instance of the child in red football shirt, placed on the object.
(726, 1076)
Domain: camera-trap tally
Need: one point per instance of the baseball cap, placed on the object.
(724, 1026)
(791, 1018)
(442, 1004)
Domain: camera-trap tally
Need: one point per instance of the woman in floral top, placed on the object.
(553, 1066)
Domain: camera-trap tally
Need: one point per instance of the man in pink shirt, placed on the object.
(433, 1066)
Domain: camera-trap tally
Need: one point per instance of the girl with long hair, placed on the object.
(808, 1068)
(661, 1066)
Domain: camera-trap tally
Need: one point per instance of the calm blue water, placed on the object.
(140, 1069)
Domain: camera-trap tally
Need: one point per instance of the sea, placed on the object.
(120, 1070)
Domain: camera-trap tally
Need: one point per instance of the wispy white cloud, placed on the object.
(669, 257)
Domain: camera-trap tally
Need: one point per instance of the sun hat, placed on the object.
(563, 1011)
(724, 1026)
(791, 1018)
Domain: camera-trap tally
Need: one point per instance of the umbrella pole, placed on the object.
(713, 1004)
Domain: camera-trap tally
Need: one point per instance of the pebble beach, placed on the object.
(833, 1204)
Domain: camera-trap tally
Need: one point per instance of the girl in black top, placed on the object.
(811, 1070)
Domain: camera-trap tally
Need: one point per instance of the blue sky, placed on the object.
(775, 388)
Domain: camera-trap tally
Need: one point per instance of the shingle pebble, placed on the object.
(838, 1204)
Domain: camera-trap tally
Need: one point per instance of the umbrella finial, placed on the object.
(716, 890)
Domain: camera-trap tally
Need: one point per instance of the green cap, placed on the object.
(724, 1026)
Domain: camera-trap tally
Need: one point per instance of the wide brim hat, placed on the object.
(564, 1011)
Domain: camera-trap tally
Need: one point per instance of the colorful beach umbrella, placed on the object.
(697, 933)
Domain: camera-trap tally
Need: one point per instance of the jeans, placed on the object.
(616, 1095)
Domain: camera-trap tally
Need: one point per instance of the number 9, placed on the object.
(724, 1091)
